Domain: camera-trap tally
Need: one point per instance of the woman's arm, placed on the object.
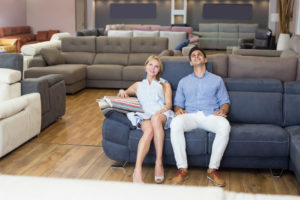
(168, 98)
(131, 91)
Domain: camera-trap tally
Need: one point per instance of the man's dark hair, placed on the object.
(195, 48)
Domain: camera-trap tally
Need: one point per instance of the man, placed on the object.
(201, 101)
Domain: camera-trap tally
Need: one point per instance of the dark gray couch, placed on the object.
(51, 88)
(265, 122)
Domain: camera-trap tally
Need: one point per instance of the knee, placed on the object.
(156, 121)
(148, 134)
(177, 123)
(224, 127)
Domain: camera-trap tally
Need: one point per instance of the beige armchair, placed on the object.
(20, 116)
(9, 45)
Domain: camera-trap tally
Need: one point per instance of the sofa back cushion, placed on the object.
(283, 69)
(14, 30)
(79, 57)
(220, 63)
(79, 44)
(228, 30)
(52, 56)
(291, 102)
(137, 33)
(148, 44)
(106, 44)
(120, 33)
(174, 37)
(255, 101)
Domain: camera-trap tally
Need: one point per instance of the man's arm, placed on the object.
(223, 110)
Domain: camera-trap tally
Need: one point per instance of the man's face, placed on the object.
(197, 58)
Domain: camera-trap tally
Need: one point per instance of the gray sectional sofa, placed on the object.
(264, 115)
(97, 62)
(222, 35)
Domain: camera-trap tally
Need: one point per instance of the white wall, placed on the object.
(12, 12)
(297, 15)
(51, 14)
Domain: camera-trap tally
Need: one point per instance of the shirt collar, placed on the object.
(204, 75)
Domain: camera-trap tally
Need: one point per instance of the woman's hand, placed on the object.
(122, 93)
(161, 111)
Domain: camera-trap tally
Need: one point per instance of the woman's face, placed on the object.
(153, 68)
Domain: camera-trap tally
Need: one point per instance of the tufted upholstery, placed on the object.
(105, 62)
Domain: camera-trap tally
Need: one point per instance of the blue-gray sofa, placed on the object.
(264, 117)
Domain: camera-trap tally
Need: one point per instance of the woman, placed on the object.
(155, 96)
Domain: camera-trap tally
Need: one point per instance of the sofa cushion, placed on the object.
(211, 27)
(78, 57)
(262, 67)
(228, 28)
(265, 106)
(173, 37)
(42, 36)
(220, 63)
(145, 33)
(133, 73)
(148, 44)
(294, 133)
(119, 33)
(182, 44)
(291, 111)
(161, 28)
(72, 72)
(34, 49)
(79, 44)
(288, 53)
(255, 140)
(138, 58)
(52, 56)
(104, 72)
(113, 45)
(9, 76)
(111, 58)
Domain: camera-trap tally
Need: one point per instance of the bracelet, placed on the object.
(165, 109)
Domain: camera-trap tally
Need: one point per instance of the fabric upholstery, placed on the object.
(114, 33)
(250, 67)
(9, 76)
(112, 45)
(34, 49)
(111, 58)
(52, 56)
(291, 103)
(148, 45)
(78, 57)
(173, 37)
(104, 72)
(145, 33)
(73, 44)
(42, 36)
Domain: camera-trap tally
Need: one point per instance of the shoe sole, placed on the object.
(213, 182)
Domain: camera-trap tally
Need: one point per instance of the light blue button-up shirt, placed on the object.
(206, 93)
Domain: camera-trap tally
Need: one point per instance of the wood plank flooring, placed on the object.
(71, 148)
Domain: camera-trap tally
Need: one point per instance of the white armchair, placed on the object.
(20, 116)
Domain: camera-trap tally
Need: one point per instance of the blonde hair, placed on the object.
(161, 66)
(153, 57)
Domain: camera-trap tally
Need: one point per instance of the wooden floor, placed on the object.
(71, 148)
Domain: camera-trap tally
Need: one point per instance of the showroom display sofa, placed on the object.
(98, 62)
(51, 89)
(293, 50)
(24, 35)
(223, 35)
(20, 115)
(264, 117)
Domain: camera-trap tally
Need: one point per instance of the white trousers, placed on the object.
(187, 122)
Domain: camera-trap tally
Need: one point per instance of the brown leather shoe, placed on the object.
(215, 178)
(181, 176)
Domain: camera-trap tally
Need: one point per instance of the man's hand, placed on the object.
(180, 111)
(220, 113)
(122, 94)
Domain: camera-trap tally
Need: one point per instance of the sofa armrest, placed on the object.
(39, 85)
(120, 117)
(10, 107)
(36, 62)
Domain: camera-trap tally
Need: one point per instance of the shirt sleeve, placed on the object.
(222, 94)
(179, 97)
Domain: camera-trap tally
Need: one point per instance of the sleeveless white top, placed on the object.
(152, 98)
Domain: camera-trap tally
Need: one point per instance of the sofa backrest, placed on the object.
(112, 50)
(143, 47)
(255, 101)
(14, 30)
(247, 30)
(79, 50)
(291, 102)
(284, 69)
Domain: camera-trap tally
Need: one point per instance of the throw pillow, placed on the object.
(52, 56)
(182, 44)
(130, 104)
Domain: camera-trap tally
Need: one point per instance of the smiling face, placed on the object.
(153, 67)
(197, 58)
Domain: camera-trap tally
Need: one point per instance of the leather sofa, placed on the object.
(264, 116)
(51, 89)
(222, 35)
(24, 35)
(98, 62)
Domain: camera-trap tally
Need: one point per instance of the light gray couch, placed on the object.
(222, 35)
(97, 62)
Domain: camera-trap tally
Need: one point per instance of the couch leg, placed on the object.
(277, 173)
(119, 165)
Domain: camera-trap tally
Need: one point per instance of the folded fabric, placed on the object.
(130, 104)
(182, 44)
